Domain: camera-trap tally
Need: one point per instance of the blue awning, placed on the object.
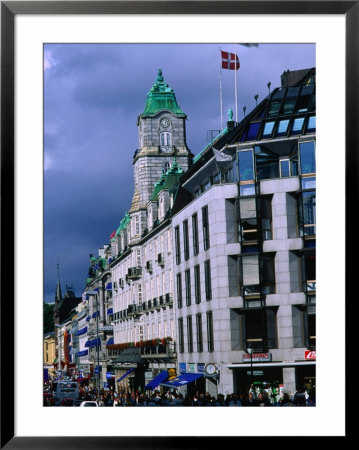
(88, 318)
(182, 379)
(82, 331)
(87, 343)
(95, 342)
(111, 341)
(83, 353)
(126, 374)
(162, 376)
(110, 311)
(96, 313)
(109, 286)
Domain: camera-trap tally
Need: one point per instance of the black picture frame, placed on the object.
(9, 9)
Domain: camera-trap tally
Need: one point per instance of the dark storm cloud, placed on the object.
(92, 97)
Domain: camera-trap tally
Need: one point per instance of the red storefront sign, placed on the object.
(310, 354)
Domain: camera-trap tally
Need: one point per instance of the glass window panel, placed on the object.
(308, 183)
(274, 107)
(271, 327)
(268, 128)
(282, 127)
(250, 270)
(266, 166)
(253, 131)
(248, 208)
(284, 168)
(297, 125)
(311, 123)
(247, 189)
(309, 212)
(312, 103)
(245, 160)
(294, 166)
(250, 249)
(307, 157)
(290, 100)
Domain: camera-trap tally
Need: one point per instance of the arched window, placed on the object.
(165, 139)
(166, 166)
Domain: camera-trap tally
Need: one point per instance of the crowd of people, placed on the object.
(167, 398)
(254, 396)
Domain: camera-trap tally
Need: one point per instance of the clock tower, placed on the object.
(162, 137)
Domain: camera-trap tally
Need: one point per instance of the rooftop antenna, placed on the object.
(269, 85)
(256, 98)
(244, 110)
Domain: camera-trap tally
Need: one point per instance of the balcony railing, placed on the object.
(134, 273)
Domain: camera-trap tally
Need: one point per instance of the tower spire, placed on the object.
(58, 294)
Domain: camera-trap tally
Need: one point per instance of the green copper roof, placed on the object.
(167, 180)
(124, 222)
(161, 97)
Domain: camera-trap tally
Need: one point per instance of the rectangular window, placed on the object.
(207, 279)
(284, 168)
(260, 329)
(268, 128)
(311, 124)
(265, 203)
(267, 273)
(137, 225)
(307, 157)
(185, 240)
(178, 245)
(195, 234)
(180, 335)
(179, 290)
(307, 213)
(282, 127)
(252, 131)
(266, 163)
(199, 333)
(245, 162)
(197, 284)
(304, 326)
(297, 125)
(205, 226)
(189, 335)
(187, 275)
(210, 340)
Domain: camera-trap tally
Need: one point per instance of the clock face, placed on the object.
(210, 368)
(165, 123)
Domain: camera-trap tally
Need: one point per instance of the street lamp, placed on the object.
(250, 352)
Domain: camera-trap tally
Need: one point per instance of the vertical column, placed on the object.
(289, 380)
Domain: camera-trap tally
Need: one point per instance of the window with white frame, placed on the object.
(165, 139)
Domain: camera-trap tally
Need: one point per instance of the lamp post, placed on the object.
(250, 352)
(97, 348)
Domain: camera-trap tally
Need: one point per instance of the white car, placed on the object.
(89, 403)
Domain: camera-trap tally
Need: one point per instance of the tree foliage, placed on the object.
(48, 318)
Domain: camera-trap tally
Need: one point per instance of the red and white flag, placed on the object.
(229, 61)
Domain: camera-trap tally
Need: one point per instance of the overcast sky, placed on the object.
(93, 94)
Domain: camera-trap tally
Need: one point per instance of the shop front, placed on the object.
(278, 376)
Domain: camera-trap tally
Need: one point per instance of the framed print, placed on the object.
(208, 239)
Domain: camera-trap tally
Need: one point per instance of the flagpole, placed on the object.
(220, 89)
(235, 82)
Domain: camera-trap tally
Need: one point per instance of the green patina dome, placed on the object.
(167, 180)
(161, 97)
(124, 222)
